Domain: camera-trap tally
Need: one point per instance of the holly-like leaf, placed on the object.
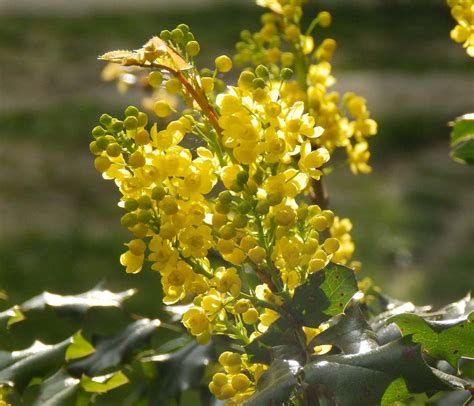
(446, 339)
(18, 367)
(279, 341)
(79, 347)
(325, 294)
(384, 375)
(276, 384)
(96, 297)
(349, 332)
(11, 316)
(112, 351)
(462, 139)
(57, 390)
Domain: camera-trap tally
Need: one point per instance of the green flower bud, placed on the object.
(222, 207)
(117, 125)
(258, 176)
(240, 221)
(219, 85)
(94, 148)
(114, 150)
(184, 28)
(98, 131)
(105, 120)
(242, 177)
(130, 123)
(158, 193)
(274, 198)
(262, 207)
(262, 71)
(227, 232)
(193, 48)
(155, 78)
(129, 220)
(102, 142)
(236, 187)
(131, 111)
(206, 72)
(144, 216)
(245, 35)
(177, 35)
(225, 197)
(165, 35)
(188, 37)
(244, 207)
(131, 205)
(286, 73)
(144, 202)
(142, 119)
(258, 83)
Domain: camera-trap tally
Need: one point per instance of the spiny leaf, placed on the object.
(276, 385)
(325, 294)
(104, 383)
(365, 378)
(350, 332)
(112, 351)
(57, 390)
(18, 367)
(446, 339)
(79, 347)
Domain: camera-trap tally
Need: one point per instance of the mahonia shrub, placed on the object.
(223, 194)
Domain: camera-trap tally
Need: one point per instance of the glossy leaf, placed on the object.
(276, 385)
(79, 347)
(57, 390)
(325, 294)
(462, 139)
(112, 351)
(383, 375)
(447, 339)
(105, 383)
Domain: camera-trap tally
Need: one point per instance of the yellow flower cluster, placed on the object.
(463, 33)
(345, 120)
(221, 192)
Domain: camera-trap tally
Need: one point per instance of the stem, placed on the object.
(319, 194)
(198, 267)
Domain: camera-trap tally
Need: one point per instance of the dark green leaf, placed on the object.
(463, 127)
(325, 294)
(349, 332)
(446, 339)
(381, 376)
(18, 367)
(276, 385)
(57, 390)
(112, 351)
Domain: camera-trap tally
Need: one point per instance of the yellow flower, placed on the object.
(132, 262)
(195, 241)
(196, 321)
(311, 161)
(164, 255)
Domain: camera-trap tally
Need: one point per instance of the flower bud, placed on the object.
(158, 193)
(136, 160)
(114, 150)
(324, 19)
(286, 73)
(193, 48)
(102, 163)
(131, 111)
(130, 123)
(177, 35)
(223, 63)
(162, 108)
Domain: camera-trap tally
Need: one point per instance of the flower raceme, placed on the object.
(220, 193)
(463, 33)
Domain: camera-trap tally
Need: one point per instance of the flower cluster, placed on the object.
(463, 33)
(223, 192)
(281, 44)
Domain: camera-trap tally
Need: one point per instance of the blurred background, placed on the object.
(59, 225)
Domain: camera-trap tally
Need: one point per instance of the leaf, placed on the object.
(447, 339)
(12, 316)
(104, 383)
(349, 332)
(457, 309)
(383, 375)
(276, 384)
(325, 294)
(18, 367)
(57, 390)
(96, 297)
(279, 341)
(112, 351)
(462, 139)
(79, 347)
